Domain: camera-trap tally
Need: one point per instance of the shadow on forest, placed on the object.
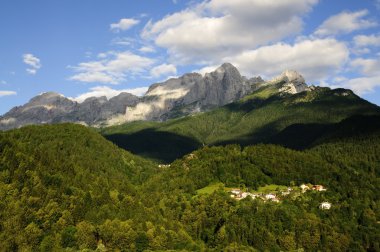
(158, 145)
(302, 136)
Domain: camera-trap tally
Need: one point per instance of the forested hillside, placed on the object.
(66, 187)
(265, 116)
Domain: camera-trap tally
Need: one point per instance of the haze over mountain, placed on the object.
(173, 98)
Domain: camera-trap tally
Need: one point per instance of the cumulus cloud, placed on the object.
(368, 79)
(7, 93)
(314, 59)
(33, 62)
(109, 92)
(367, 40)
(112, 68)
(362, 85)
(218, 28)
(124, 24)
(345, 22)
(368, 67)
(163, 69)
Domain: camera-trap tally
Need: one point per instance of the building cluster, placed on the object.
(238, 194)
(319, 188)
(163, 165)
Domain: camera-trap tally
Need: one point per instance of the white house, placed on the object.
(304, 187)
(270, 196)
(325, 205)
(319, 188)
(235, 191)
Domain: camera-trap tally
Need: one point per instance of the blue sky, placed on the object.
(81, 48)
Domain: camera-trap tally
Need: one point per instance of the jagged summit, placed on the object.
(291, 76)
(226, 67)
(192, 93)
(293, 82)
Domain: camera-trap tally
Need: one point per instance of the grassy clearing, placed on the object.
(210, 188)
(271, 188)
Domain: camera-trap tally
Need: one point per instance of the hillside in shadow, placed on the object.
(153, 144)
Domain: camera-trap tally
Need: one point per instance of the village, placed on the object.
(279, 194)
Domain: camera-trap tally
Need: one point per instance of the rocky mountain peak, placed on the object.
(47, 97)
(225, 69)
(293, 81)
(292, 76)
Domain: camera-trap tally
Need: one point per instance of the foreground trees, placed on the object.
(65, 187)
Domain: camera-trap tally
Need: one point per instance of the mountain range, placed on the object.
(176, 97)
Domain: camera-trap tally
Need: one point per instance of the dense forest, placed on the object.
(65, 187)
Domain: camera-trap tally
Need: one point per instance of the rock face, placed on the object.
(45, 108)
(293, 82)
(53, 108)
(175, 97)
(192, 93)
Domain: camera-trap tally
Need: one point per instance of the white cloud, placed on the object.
(163, 69)
(147, 49)
(108, 92)
(3, 82)
(112, 68)
(218, 28)
(6, 93)
(207, 69)
(95, 77)
(123, 41)
(370, 79)
(367, 40)
(368, 67)
(345, 22)
(124, 24)
(363, 85)
(314, 59)
(33, 62)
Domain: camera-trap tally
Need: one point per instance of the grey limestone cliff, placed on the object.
(51, 107)
(192, 93)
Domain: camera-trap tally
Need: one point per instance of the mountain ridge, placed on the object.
(176, 97)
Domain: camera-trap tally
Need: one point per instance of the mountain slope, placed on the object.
(349, 168)
(64, 187)
(257, 118)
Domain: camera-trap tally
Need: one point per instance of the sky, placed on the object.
(83, 48)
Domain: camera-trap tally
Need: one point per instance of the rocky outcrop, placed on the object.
(293, 82)
(192, 93)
